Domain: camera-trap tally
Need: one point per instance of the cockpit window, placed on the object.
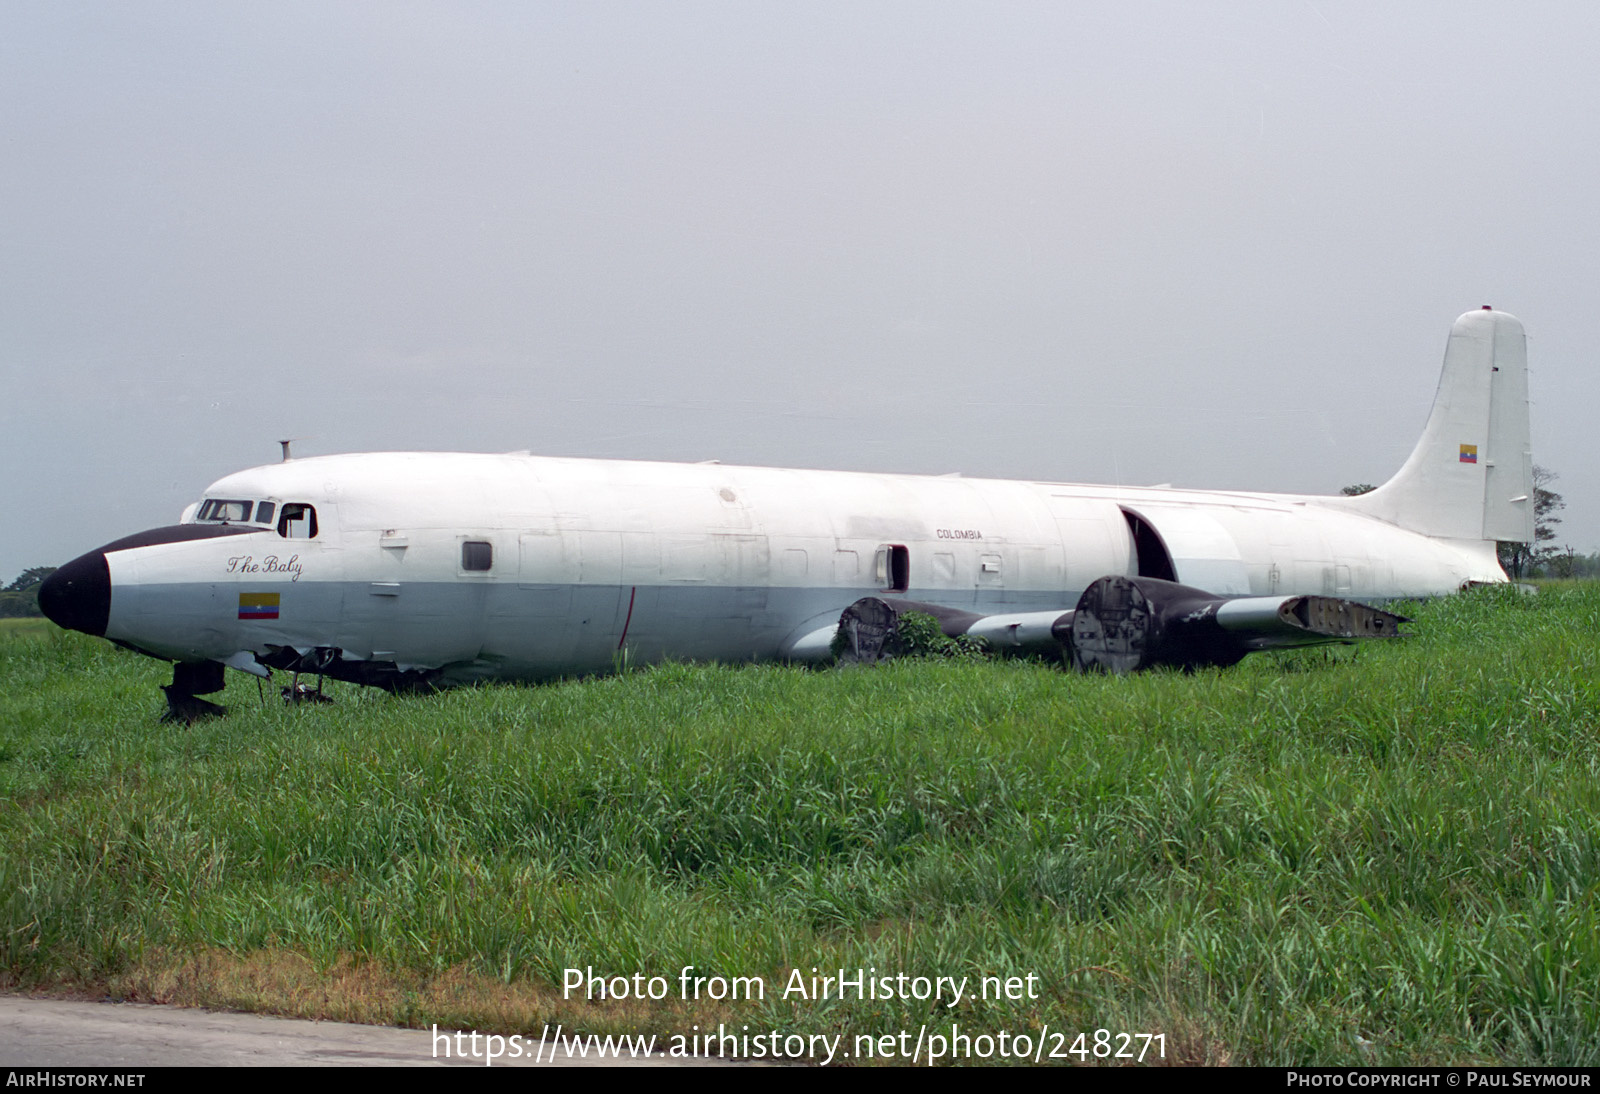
(298, 521)
(217, 510)
(295, 520)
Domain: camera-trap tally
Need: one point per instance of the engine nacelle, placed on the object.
(1124, 624)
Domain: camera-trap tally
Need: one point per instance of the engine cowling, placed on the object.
(1126, 624)
(871, 628)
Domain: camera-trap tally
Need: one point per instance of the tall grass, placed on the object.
(1386, 854)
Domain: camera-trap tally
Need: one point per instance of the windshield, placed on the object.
(231, 511)
(217, 509)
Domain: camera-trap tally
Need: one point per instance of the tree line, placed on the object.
(20, 599)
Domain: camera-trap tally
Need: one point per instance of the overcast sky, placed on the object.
(1218, 245)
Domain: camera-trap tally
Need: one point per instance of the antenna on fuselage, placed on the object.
(286, 449)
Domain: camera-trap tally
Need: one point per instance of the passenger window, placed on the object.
(476, 555)
(298, 522)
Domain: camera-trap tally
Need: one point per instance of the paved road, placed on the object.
(58, 1033)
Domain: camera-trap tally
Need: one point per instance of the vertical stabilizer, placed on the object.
(1471, 475)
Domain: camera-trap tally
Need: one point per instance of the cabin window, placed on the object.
(476, 555)
(298, 522)
(894, 568)
(264, 512)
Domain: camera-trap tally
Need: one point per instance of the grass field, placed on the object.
(1382, 855)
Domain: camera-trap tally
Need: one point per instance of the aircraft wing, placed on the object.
(1125, 624)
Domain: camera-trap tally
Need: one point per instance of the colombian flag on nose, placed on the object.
(1469, 453)
(258, 605)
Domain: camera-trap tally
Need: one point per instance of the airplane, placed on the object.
(415, 570)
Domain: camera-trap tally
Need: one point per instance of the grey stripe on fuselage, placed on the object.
(505, 630)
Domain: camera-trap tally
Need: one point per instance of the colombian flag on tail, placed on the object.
(1469, 453)
(258, 605)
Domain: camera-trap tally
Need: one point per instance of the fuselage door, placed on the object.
(1203, 553)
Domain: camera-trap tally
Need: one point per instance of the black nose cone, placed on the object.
(78, 596)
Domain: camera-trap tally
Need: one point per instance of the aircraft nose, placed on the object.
(78, 595)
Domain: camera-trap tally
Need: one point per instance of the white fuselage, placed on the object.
(412, 569)
(592, 561)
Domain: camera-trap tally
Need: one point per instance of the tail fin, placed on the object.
(1471, 475)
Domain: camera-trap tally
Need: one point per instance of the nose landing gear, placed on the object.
(190, 680)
